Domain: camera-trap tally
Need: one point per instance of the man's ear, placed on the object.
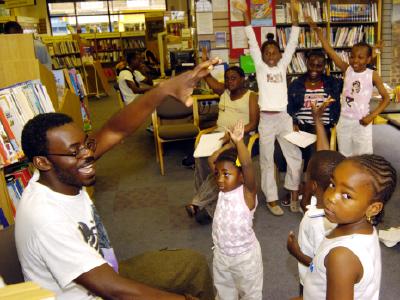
(42, 163)
(374, 209)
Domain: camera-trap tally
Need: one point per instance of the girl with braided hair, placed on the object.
(347, 264)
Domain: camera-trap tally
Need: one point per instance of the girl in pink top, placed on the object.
(354, 130)
(237, 263)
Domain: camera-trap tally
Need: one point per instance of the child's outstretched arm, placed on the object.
(343, 271)
(293, 247)
(250, 187)
(255, 51)
(317, 112)
(214, 84)
(327, 47)
(294, 35)
(376, 79)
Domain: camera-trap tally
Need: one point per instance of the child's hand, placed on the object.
(292, 244)
(237, 132)
(239, 5)
(311, 22)
(226, 138)
(294, 4)
(377, 48)
(366, 120)
(318, 111)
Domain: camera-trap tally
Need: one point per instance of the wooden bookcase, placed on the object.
(19, 64)
(333, 24)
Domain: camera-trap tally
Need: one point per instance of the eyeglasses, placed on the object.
(89, 145)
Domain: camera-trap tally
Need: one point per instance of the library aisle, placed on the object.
(143, 210)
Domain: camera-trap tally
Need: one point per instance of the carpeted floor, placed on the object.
(143, 210)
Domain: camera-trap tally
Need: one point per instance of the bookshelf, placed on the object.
(18, 64)
(110, 47)
(64, 51)
(344, 23)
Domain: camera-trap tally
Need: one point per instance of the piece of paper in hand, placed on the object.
(301, 138)
(208, 144)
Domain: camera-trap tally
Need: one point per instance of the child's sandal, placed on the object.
(294, 206)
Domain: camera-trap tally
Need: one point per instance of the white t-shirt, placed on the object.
(271, 81)
(58, 238)
(312, 231)
(127, 94)
(366, 248)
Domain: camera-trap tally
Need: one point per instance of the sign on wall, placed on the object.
(19, 3)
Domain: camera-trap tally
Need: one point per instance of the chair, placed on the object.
(10, 268)
(119, 99)
(172, 121)
(332, 142)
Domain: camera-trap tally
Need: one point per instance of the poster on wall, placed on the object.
(261, 12)
(235, 15)
(220, 5)
(203, 5)
(204, 22)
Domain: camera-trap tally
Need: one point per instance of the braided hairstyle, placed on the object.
(384, 178)
(270, 41)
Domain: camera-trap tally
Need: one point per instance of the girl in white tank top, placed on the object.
(348, 262)
(237, 263)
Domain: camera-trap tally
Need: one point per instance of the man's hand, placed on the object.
(237, 132)
(181, 86)
(366, 120)
(292, 245)
(296, 128)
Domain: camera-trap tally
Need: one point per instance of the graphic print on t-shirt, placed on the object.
(97, 238)
(356, 87)
(106, 249)
(89, 235)
(274, 78)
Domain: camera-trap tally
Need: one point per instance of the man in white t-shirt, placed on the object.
(61, 242)
(131, 79)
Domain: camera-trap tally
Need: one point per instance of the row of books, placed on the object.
(307, 38)
(298, 63)
(18, 104)
(109, 57)
(344, 55)
(16, 181)
(133, 43)
(348, 36)
(66, 62)
(109, 44)
(64, 47)
(354, 12)
(312, 9)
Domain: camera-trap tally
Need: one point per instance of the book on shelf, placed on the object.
(313, 9)
(16, 181)
(298, 64)
(307, 38)
(348, 36)
(18, 104)
(133, 43)
(352, 12)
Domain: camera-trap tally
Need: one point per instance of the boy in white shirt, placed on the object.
(314, 226)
